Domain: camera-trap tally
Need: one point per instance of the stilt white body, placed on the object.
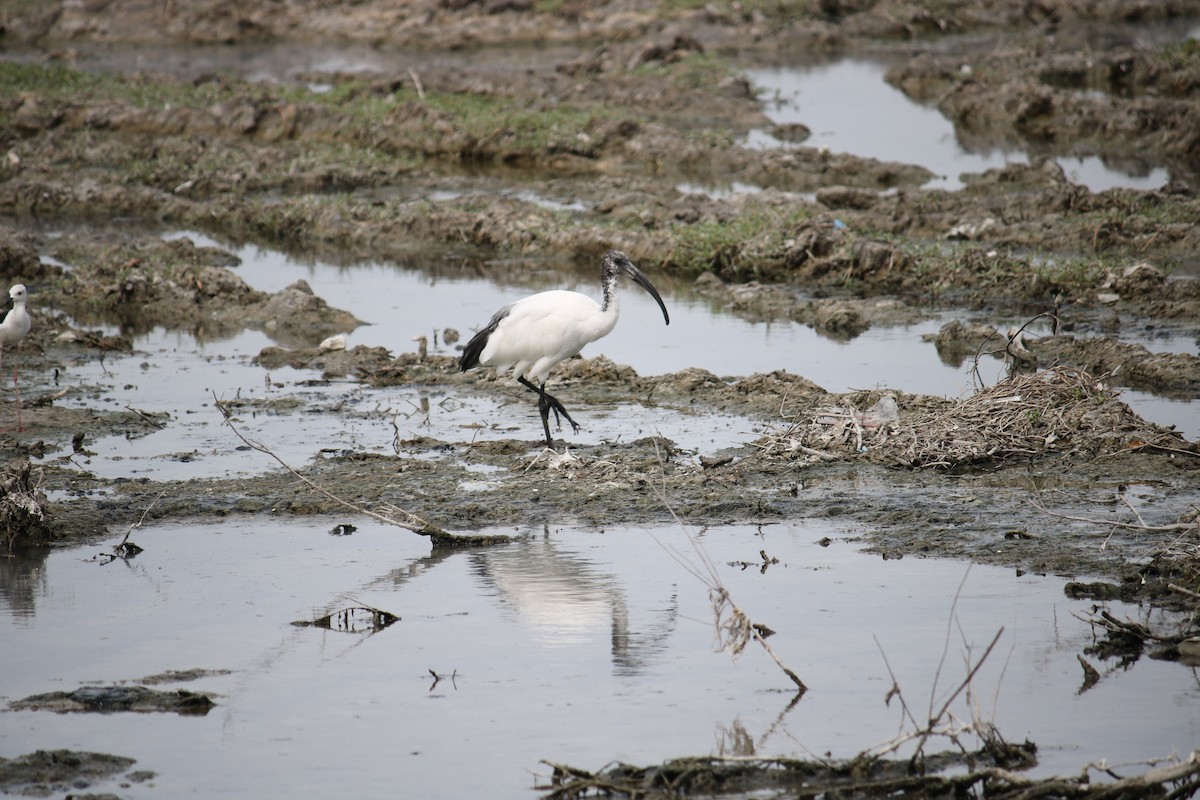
(13, 330)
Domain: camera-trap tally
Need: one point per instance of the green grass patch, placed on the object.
(696, 71)
(59, 83)
(776, 10)
(745, 246)
(1159, 209)
(1184, 54)
(456, 119)
(366, 116)
(1075, 272)
(520, 127)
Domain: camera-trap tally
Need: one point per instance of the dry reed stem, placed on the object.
(732, 627)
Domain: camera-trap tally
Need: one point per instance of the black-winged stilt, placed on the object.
(13, 329)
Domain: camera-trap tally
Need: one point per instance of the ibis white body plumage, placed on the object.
(532, 335)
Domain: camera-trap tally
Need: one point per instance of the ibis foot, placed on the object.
(546, 404)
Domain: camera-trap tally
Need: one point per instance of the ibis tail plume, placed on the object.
(13, 329)
(532, 335)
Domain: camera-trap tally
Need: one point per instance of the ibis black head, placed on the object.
(617, 263)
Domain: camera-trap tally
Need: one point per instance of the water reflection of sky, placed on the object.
(399, 304)
(852, 109)
(573, 646)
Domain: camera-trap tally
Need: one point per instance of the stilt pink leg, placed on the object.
(16, 384)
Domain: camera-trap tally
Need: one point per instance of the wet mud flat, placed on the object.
(476, 151)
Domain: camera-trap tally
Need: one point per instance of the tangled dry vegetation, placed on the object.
(785, 777)
(22, 506)
(1059, 411)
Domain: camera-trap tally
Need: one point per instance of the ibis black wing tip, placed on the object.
(474, 348)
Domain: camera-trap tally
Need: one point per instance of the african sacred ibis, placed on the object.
(13, 329)
(533, 334)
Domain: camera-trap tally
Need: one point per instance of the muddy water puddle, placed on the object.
(299, 417)
(297, 414)
(575, 646)
(400, 304)
(844, 102)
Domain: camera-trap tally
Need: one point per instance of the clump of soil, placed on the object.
(46, 772)
(1125, 102)
(173, 283)
(108, 699)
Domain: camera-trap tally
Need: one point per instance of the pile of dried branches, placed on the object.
(1058, 410)
(22, 506)
(713, 777)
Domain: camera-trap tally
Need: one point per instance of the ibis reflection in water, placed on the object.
(535, 333)
(575, 602)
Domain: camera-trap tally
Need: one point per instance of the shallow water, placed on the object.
(846, 102)
(571, 646)
(401, 304)
(176, 373)
(332, 417)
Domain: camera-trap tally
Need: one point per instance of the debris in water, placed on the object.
(356, 619)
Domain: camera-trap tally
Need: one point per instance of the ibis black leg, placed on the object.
(546, 404)
(544, 410)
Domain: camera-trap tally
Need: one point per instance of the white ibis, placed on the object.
(533, 334)
(13, 329)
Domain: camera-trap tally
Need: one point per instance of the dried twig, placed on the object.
(126, 549)
(1056, 411)
(963, 686)
(938, 721)
(416, 79)
(146, 417)
(1185, 592)
(1138, 526)
(1010, 351)
(733, 628)
(1121, 788)
(394, 516)
(788, 776)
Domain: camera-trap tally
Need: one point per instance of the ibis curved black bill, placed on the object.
(641, 280)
